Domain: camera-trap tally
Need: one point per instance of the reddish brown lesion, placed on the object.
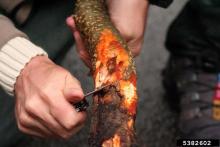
(111, 64)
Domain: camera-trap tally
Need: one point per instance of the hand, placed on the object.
(128, 16)
(44, 93)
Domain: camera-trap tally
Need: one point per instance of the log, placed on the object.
(114, 109)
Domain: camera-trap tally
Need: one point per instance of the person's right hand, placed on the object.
(44, 93)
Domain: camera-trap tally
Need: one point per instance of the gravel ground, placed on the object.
(156, 122)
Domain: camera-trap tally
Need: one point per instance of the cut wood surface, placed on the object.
(114, 108)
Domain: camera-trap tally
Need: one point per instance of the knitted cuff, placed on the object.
(14, 55)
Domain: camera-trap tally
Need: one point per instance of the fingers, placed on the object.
(72, 89)
(60, 120)
(43, 117)
(66, 115)
(30, 131)
(29, 125)
(135, 46)
(83, 54)
(70, 23)
(63, 112)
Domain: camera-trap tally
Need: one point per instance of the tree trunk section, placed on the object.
(114, 109)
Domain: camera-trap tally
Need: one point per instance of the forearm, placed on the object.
(133, 12)
(8, 30)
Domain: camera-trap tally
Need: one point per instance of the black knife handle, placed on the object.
(81, 106)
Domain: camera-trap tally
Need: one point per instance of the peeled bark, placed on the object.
(114, 108)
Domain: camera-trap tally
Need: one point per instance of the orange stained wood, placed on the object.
(112, 142)
(109, 48)
(131, 123)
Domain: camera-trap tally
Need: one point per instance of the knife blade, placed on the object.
(83, 105)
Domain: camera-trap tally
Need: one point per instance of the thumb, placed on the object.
(70, 23)
(72, 90)
(81, 49)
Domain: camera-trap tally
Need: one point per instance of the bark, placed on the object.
(114, 108)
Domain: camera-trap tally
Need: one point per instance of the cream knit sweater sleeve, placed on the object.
(15, 52)
(14, 55)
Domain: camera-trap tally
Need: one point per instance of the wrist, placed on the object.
(36, 63)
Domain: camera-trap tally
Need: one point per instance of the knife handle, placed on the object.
(81, 106)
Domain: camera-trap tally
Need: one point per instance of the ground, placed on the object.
(156, 122)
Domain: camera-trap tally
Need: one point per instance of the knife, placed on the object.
(83, 105)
